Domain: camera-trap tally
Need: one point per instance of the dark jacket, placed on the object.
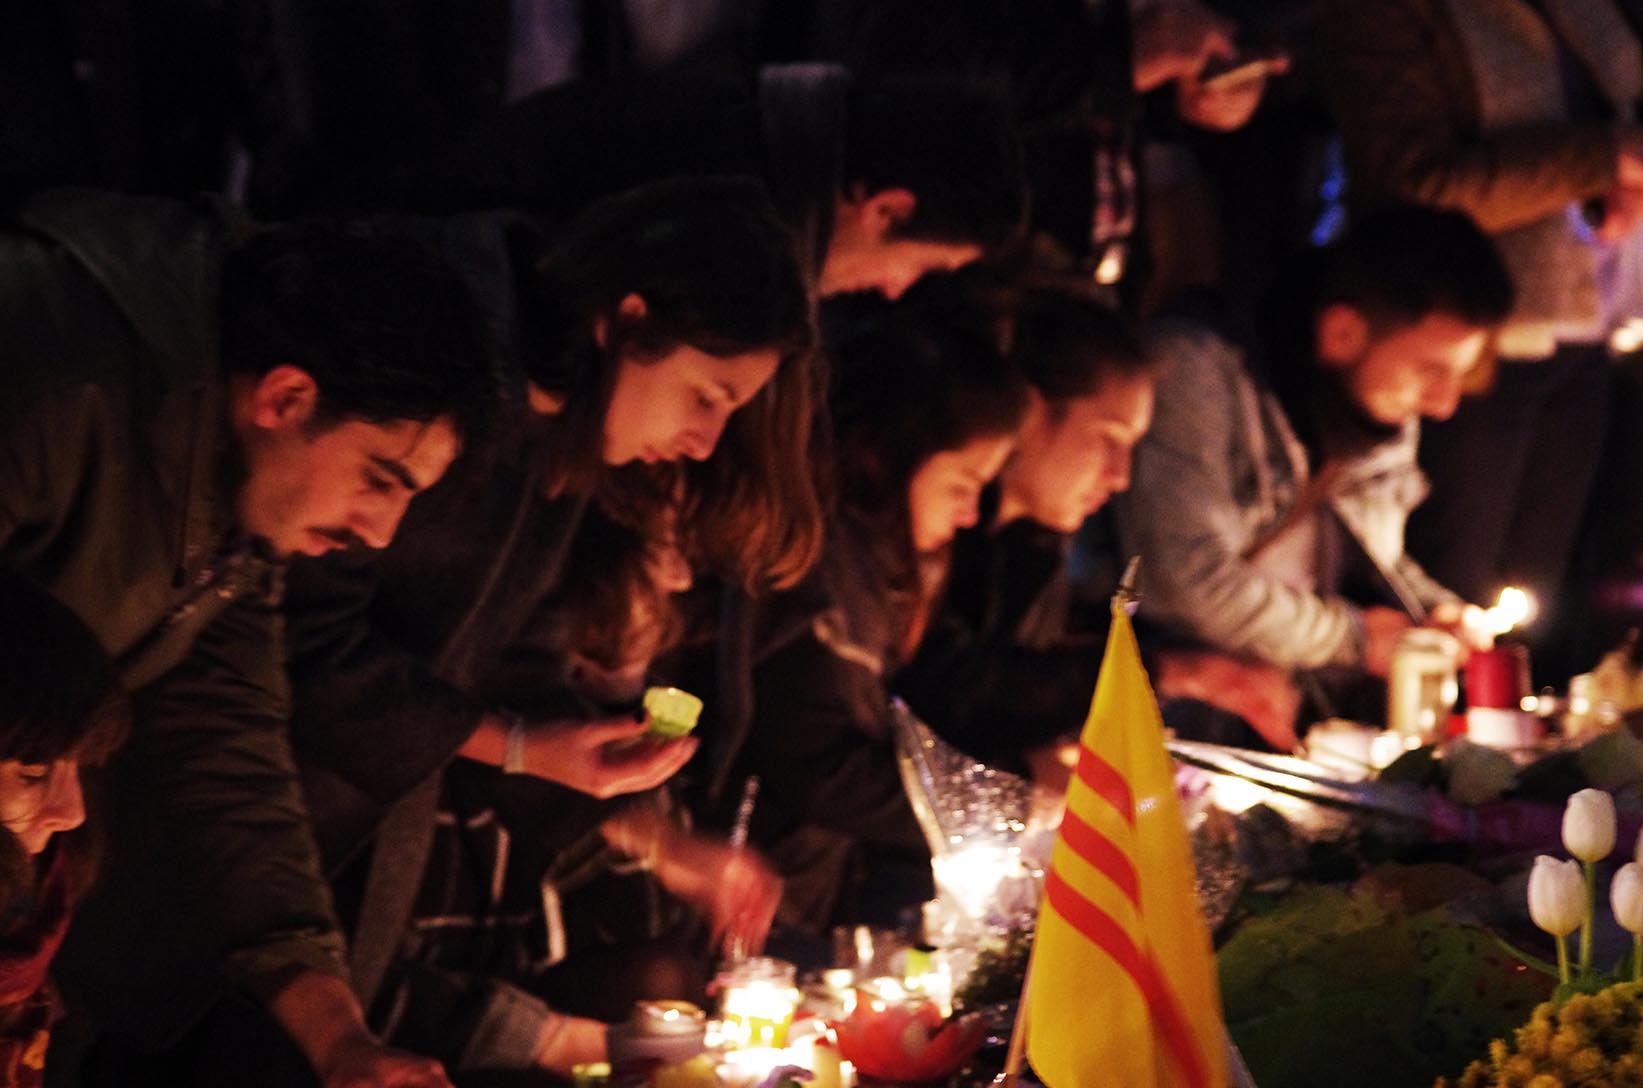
(819, 734)
(117, 476)
(998, 671)
(391, 655)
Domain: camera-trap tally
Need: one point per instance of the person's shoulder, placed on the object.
(1200, 351)
(95, 268)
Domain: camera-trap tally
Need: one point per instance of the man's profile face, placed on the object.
(1405, 371)
(1069, 460)
(317, 486)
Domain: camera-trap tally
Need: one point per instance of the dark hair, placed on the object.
(609, 579)
(951, 145)
(718, 272)
(1069, 346)
(906, 391)
(1397, 264)
(386, 329)
(59, 696)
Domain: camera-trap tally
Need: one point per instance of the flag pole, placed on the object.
(1018, 1034)
(1128, 598)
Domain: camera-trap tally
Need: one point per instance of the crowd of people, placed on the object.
(394, 393)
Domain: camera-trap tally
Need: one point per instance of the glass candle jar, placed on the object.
(759, 1001)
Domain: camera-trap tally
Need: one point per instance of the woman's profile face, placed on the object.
(37, 800)
(677, 405)
(943, 495)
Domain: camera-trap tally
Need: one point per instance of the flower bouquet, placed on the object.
(1591, 1030)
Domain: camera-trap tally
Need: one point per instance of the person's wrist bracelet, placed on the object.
(513, 748)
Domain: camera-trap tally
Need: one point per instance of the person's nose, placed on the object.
(1441, 399)
(65, 807)
(699, 442)
(675, 575)
(376, 523)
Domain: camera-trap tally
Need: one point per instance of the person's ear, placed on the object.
(1038, 417)
(887, 209)
(632, 308)
(283, 398)
(1342, 335)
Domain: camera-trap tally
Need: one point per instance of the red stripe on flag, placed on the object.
(1107, 856)
(1099, 927)
(1104, 779)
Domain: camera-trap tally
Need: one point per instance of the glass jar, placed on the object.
(1422, 685)
(759, 1001)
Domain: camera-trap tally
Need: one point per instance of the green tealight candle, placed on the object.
(673, 713)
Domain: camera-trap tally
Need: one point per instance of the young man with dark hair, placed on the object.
(1278, 476)
(183, 409)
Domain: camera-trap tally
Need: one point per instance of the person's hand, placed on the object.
(323, 1018)
(1260, 693)
(1051, 765)
(1629, 159)
(1622, 211)
(565, 1042)
(733, 888)
(360, 1061)
(1465, 621)
(1174, 39)
(1381, 628)
(604, 758)
(1223, 107)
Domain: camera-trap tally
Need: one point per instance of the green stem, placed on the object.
(1637, 957)
(1563, 959)
(1591, 915)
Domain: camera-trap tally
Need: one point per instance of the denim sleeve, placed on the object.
(1190, 518)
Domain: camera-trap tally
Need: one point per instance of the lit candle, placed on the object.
(744, 1068)
(759, 1002)
(1514, 607)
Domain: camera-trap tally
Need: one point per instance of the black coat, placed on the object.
(812, 720)
(117, 483)
(999, 671)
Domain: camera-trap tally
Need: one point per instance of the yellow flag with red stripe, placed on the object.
(1122, 992)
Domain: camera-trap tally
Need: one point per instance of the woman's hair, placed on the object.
(610, 584)
(718, 272)
(59, 695)
(907, 390)
(1069, 346)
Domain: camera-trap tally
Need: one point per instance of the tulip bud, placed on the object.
(1626, 897)
(1588, 825)
(1557, 895)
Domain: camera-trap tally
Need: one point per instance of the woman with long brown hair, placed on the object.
(924, 415)
(660, 358)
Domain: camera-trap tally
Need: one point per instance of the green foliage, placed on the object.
(1350, 988)
(996, 977)
(1593, 1039)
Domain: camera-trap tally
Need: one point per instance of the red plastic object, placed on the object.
(908, 1042)
(1498, 678)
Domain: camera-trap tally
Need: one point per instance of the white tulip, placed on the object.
(1588, 825)
(1557, 895)
(1626, 897)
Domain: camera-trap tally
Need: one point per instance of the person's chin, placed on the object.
(314, 544)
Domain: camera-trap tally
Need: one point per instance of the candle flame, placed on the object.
(1514, 607)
